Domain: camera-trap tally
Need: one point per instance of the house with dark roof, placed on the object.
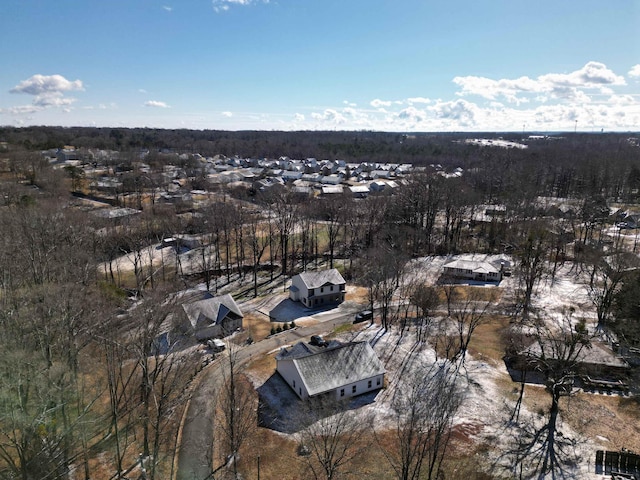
(313, 289)
(595, 365)
(213, 317)
(342, 370)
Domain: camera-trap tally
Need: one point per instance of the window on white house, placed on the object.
(342, 392)
(369, 384)
(353, 389)
(378, 381)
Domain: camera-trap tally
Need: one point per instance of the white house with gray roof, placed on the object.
(343, 370)
(314, 289)
(482, 271)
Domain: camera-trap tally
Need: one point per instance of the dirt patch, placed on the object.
(357, 295)
(610, 420)
(487, 343)
(257, 325)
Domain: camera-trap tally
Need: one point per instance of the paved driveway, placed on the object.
(196, 448)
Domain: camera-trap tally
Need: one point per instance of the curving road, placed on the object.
(196, 446)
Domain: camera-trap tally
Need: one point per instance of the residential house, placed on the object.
(331, 180)
(213, 317)
(381, 174)
(482, 271)
(341, 370)
(359, 191)
(332, 189)
(67, 154)
(290, 176)
(631, 220)
(317, 288)
(377, 186)
(596, 365)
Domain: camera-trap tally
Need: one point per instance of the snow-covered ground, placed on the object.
(486, 410)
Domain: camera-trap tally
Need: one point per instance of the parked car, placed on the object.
(363, 316)
(216, 345)
(318, 341)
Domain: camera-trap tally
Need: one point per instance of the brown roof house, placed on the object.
(213, 317)
(314, 289)
(341, 370)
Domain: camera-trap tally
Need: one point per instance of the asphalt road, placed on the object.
(196, 448)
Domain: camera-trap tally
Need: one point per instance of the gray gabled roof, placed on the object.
(211, 311)
(336, 365)
(474, 266)
(318, 279)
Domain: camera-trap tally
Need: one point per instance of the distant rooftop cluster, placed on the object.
(180, 177)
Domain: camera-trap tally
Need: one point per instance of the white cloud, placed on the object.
(227, 114)
(413, 100)
(224, 5)
(46, 84)
(298, 117)
(635, 71)
(167, 8)
(156, 104)
(47, 91)
(412, 114)
(622, 100)
(22, 110)
(329, 116)
(52, 100)
(377, 103)
(460, 111)
(593, 76)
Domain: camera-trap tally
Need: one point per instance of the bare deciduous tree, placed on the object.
(383, 273)
(556, 354)
(334, 437)
(237, 404)
(423, 412)
(532, 264)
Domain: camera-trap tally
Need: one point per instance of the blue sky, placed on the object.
(392, 65)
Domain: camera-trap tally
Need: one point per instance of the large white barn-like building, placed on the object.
(342, 370)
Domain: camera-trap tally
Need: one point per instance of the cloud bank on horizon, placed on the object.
(585, 98)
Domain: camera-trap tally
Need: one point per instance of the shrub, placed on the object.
(273, 330)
